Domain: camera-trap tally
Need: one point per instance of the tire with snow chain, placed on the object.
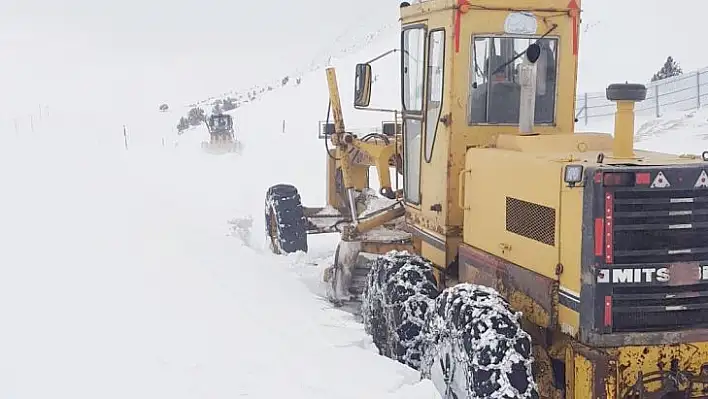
(285, 222)
(476, 347)
(400, 288)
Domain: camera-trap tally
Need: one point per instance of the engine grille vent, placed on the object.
(531, 220)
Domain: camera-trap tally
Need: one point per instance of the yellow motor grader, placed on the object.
(221, 135)
(521, 259)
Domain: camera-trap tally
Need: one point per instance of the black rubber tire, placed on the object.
(474, 327)
(283, 208)
(399, 291)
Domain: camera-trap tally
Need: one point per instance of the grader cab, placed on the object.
(522, 259)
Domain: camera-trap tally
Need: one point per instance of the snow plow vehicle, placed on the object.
(221, 135)
(524, 259)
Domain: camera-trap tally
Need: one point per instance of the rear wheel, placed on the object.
(286, 225)
(476, 347)
(400, 289)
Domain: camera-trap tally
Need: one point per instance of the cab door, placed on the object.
(413, 39)
(422, 76)
(426, 137)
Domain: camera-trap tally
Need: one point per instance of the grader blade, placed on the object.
(324, 220)
(347, 277)
(222, 147)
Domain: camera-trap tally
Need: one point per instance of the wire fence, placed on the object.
(679, 93)
(29, 123)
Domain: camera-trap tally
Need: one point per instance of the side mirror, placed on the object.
(362, 85)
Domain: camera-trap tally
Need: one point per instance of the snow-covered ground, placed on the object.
(121, 276)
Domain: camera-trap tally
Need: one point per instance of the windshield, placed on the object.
(495, 88)
(219, 122)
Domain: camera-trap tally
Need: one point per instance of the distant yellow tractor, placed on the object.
(523, 260)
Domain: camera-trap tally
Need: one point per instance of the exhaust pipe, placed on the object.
(527, 80)
(625, 95)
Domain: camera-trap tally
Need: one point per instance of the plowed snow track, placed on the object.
(118, 278)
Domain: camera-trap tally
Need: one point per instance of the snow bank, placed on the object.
(120, 277)
(676, 132)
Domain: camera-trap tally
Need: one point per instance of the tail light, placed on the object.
(625, 179)
(608, 311)
(621, 179)
(599, 233)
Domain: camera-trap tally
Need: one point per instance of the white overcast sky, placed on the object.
(58, 52)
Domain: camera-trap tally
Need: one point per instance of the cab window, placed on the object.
(434, 94)
(495, 90)
(413, 69)
(413, 79)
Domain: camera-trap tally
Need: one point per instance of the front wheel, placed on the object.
(476, 347)
(285, 221)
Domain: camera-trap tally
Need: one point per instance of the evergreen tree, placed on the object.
(182, 125)
(229, 104)
(196, 116)
(670, 68)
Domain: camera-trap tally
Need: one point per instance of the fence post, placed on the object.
(656, 99)
(125, 137)
(698, 89)
(585, 107)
